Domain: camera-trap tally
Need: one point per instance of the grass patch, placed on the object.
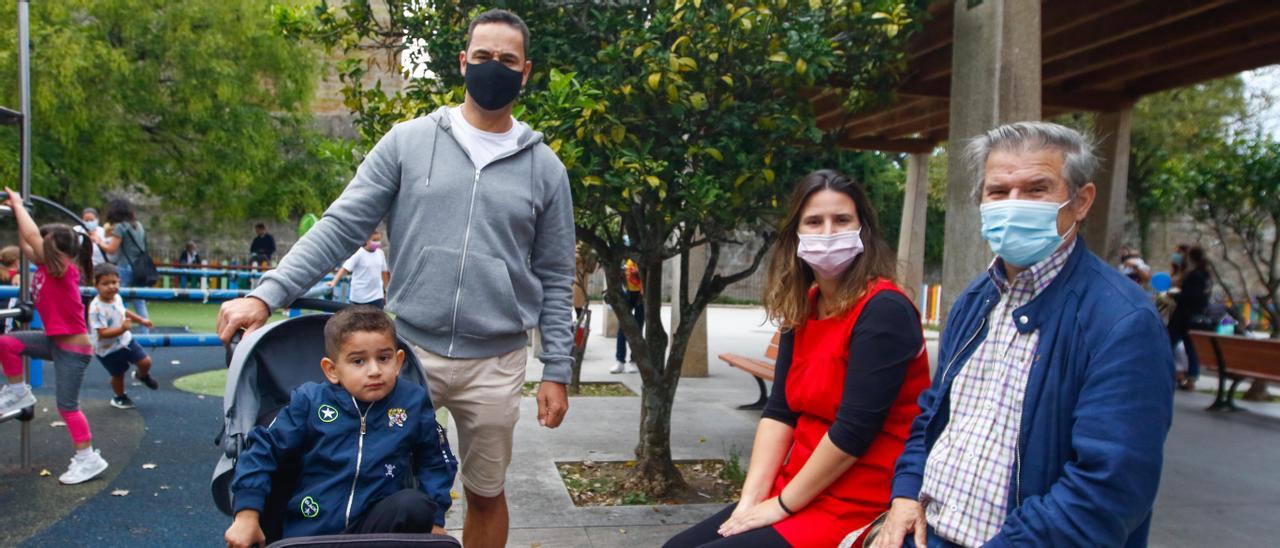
(208, 383)
(196, 317)
(593, 483)
(588, 389)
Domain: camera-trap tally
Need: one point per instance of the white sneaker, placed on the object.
(631, 367)
(82, 470)
(618, 368)
(11, 401)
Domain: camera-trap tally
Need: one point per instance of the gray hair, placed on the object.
(1079, 162)
(89, 210)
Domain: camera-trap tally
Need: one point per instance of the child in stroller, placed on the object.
(351, 467)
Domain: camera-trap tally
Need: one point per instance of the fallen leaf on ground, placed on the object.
(120, 493)
(45, 473)
(200, 396)
(149, 466)
(164, 487)
(175, 362)
(57, 424)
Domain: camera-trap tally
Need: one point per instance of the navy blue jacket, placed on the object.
(1097, 408)
(321, 424)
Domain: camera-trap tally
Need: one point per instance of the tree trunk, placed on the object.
(655, 472)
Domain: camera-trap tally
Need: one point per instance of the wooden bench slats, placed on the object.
(760, 369)
(1244, 357)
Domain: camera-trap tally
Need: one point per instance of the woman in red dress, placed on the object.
(851, 365)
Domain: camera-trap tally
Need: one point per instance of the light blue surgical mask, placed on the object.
(91, 225)
(1176, 259)
(1022, 232)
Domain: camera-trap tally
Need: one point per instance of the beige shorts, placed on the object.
(483, 397)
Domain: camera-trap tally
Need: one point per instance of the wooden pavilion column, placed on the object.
(1105, 226)
(915, 206)
(995, 79)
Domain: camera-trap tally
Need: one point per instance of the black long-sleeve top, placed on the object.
(885, 338)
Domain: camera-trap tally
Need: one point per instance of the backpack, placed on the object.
(143, 266)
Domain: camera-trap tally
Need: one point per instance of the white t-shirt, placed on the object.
(98, 258)
(107, 315)
(366, 268)
(483, 146)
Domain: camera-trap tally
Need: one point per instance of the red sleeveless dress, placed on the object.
(815, 383)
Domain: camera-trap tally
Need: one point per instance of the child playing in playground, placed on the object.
(55, 249)
(109, 323)
(357, 436)
(369, 273)
(9, 265)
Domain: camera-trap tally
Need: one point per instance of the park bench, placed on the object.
(760, 369)
(1238, 358)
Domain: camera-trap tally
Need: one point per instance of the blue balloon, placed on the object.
(1161, 281)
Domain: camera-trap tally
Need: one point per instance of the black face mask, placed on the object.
(492, 85)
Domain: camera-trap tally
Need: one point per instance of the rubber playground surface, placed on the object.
(167, 504)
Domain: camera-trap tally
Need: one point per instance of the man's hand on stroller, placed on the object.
(245, 531)
(248, 313)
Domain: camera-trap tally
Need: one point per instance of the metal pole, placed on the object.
(24, 104)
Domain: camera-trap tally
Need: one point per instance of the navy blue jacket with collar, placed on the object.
(321, 425)
(1097, 408)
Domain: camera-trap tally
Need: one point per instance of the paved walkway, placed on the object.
(1219, 487)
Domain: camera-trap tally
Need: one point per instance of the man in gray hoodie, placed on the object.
(480, 223)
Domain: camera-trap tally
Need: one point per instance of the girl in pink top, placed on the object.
(55, 249)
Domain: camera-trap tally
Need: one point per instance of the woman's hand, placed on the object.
(767, 513)
(148, 323)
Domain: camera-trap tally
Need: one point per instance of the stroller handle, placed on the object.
(319, 305)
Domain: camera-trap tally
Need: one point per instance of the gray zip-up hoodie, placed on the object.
(477, 257)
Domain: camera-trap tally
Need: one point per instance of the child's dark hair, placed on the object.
(120, 210)
(351, 320)
(104, 270)
(60, 240)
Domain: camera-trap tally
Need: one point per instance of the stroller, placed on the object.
(263, 370)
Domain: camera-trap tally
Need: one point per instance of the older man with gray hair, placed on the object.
(1046, 420)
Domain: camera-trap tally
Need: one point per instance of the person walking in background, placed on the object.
(1193, 285)
(851, 364)
(634, 293)
(369, 274)
(1046, 422)
(128, 242)
(263, 245)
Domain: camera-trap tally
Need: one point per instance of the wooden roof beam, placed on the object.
(1225, 65)
(1050, 97)
(1135, 18)
(888, 145)
(1122, 24)
(1191, 57)
(1223, 20)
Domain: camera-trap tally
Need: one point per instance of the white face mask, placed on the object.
(830, 255)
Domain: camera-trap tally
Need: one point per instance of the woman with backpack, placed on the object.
(129, 245)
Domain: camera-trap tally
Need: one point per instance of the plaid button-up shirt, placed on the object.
(967, 473)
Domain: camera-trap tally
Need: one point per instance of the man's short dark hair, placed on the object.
(104, 269)
(260, 225)
(501, 16)
(353, 319)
